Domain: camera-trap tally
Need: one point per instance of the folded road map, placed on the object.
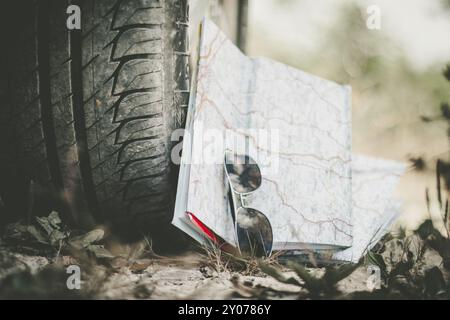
(297, 127)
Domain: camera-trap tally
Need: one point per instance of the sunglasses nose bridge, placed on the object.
(243, 197)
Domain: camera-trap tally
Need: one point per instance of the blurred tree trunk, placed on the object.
(231, 17)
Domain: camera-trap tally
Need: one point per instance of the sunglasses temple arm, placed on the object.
(232, 206)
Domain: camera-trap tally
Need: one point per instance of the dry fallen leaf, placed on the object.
(87, 239)
(140, 265)
(100, 252)
(38, 235)
(118, 263)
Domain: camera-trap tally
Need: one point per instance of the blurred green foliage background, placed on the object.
(395, 73)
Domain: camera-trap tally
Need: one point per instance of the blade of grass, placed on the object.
(427, 199)
(438, 182)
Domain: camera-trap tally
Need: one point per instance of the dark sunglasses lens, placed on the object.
(254, 233)
(243, 172)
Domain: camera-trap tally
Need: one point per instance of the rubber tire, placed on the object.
(93, 110)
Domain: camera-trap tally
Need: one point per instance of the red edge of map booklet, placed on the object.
(209, 234)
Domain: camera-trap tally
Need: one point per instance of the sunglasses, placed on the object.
(253, 229)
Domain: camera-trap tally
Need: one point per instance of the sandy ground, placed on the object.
(188, 276)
